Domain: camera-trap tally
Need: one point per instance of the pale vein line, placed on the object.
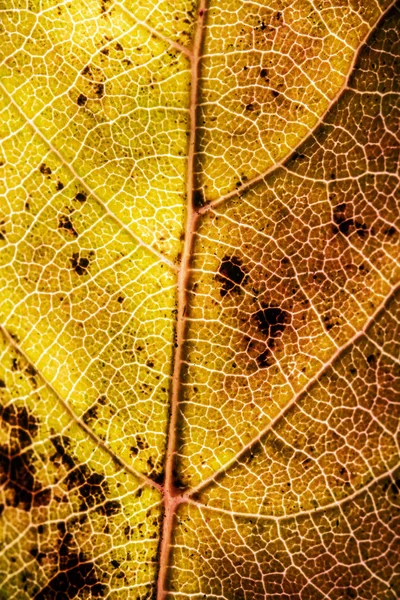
(109, 213)
(155, 32)
(304, 513)
(100, 443)
(246, 186)
(382, 306)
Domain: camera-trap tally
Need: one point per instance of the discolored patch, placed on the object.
(79, 263)
(75, 575)
(64, 222)
(231, 274)
(17, 468)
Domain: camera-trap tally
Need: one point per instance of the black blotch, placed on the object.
(81, 196)
(59, 186)
(64, 222)
(44, 169)
(115, 564)
(99, 90)
(2, 384)
(231, 274)
(75, 575)
(198, 199)
(347, 225)
(103, 6)
(264, 74)
(250, 107)
(82, 99)
(119, 47)
(390, 231)
(92, 489)
(120, 299)
(371, 359)
(90, 414)
(271, 321)
(79, 263)
(61, 445)
(17, 470)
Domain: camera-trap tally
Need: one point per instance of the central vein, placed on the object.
(172, 497)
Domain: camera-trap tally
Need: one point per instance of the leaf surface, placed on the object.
(199, 307)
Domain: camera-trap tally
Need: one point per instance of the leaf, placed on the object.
(199, 307)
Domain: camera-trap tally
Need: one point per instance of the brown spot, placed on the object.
(119, 47)
(82, 99)
(231, 274)
(90, 414)
(45, 170)
(79, 263)
(198, 199)
(81, 196)
(17, 470)
(272, 321)
(64, 222)
(75, 575)
(99, 90)
(2, 384)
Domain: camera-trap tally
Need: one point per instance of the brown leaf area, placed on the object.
(201, 402)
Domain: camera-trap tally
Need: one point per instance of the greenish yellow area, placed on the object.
(91, 307)
(112, 100)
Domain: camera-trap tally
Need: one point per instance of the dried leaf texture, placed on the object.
(199, 306)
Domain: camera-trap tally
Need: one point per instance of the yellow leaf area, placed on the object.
(199, 311)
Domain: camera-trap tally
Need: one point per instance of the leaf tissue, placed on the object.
(199, 300)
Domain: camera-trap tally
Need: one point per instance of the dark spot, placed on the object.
(110, 508)
(81, 196)
(82, 99)
(141, 443)
(150, 364)
(105, 51)
(371, 358)
(99, 90)
(395, 487)
(230, 274)
(120, 299)
(86, 70)
(90, 414)
(17, 470)
(119, 47)
(61, 443)
(275, 93)
(198, 199)
(250, 107)
(44, 169)
(134, 450)
(103, 6)
(79, 263)
(2, 384)
(264, 359)
(272, 321)
(264, 73)
(59, 186)
(64, 222)
(75, 575)
(115, 564)
(390, 231)
(278, 16)
(90, 486)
